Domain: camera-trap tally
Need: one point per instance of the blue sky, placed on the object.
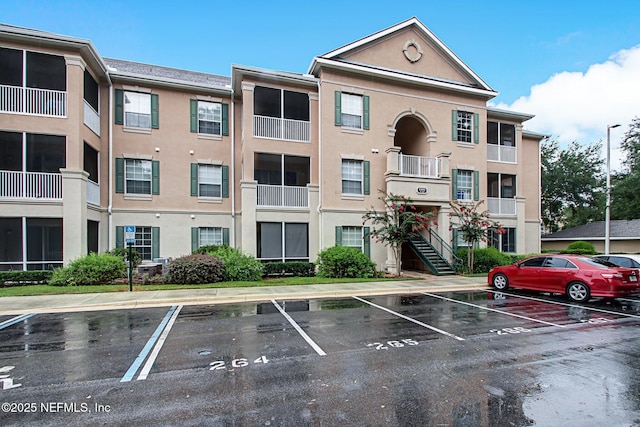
(572, 64)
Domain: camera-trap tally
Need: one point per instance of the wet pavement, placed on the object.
(429, 358)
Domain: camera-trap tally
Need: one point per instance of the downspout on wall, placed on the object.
(232, 180)
(110, 152)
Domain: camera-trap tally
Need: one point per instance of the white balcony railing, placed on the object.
(501, 153)
(422, 167)
(501, 206)
(93, 193)
(26, 100)
(91, 118)
(30, 185)
(283, 196)
(279, 128)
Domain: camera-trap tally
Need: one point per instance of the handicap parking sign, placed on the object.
(130, 234)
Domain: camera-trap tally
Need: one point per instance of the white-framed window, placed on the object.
(143, 242)
(352, 177)
(464, 184)
(209, 236)
(352, 236)
(465, 126)
(138, 176)
(351, 110)
(505, 242)
(137, 110)
(210, 118)
(209, 180)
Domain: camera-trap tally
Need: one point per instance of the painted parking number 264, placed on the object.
(236, 363)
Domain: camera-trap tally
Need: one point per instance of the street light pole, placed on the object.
(607, 212)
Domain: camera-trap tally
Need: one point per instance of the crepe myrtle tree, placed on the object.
(473, 224)
(397, 223)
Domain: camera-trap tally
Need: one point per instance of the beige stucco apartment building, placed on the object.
(278, 164)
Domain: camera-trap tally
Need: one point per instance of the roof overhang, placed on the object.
(41, 38)
(144, 79)
(496, 113)
(240, 72)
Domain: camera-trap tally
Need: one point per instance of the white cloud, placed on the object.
(576, 106)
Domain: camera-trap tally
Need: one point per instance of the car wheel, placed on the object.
(500, 282)
(578, 292)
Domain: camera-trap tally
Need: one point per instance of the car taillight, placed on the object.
(612, 276)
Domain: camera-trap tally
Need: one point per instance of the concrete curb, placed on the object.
(149, 299)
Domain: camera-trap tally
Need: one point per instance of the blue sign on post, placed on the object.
(129, 234)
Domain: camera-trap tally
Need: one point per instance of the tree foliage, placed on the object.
(625, 198)
(473, 224)
(397, 224)
(573, 185)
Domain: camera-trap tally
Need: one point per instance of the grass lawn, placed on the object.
(33, 290)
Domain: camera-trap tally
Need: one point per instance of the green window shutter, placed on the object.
(365, 178)
(225, 181)
(119, 236)
(119, 107)
(155, 177)
(338, 235)
(476, 185)
(365, 112)
(454, 125)
(367, 242)
(225, 119)
(454, 184)
(476, 128)
(194, 115)
(225, 236)
(195, 236)
(194, 179)
(119, 175)
(155, 242)
(155, 118)
(338, 113)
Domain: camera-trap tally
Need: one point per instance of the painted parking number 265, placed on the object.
(392, 344)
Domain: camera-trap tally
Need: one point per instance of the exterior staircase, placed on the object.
(428, 254)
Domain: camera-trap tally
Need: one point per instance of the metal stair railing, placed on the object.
(420, 239)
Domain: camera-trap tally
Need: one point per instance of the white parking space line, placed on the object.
(156, 349)
(417, 322)
(566, 304)
(15, 320)
(494, 310)
(302, 333)
(147, 348)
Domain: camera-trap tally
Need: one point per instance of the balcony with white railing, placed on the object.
(30, 185)
(279, 128)
(91, 118)
(27, 100)
(283, 196)
(93, 193)
(417, 166)
(501, 206)
(501, 153)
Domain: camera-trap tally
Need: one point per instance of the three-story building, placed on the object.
(278, 164)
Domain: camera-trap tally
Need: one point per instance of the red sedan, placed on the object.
(579, 277)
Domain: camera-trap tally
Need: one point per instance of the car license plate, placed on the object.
(633, 278)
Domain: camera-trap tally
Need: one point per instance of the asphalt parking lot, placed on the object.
(473, 358)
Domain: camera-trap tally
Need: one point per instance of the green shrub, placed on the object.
(345, 261)
(484, 259)
(580, 248)
(93, 269)
(292, 268)
(19, 277)
(123, 253)
(237, 265)
(194, 269)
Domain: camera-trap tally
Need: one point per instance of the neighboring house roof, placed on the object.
(128, 70)
(619, 229)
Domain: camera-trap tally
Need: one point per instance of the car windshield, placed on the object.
(596, 262)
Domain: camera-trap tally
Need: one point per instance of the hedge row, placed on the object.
(19, 278)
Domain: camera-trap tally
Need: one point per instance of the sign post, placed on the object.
(130, 239)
